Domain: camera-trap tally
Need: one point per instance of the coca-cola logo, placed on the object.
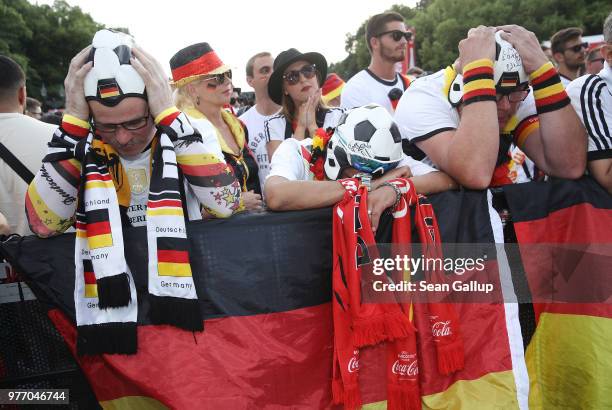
(353, 364)
(441, 329)
(410, 369)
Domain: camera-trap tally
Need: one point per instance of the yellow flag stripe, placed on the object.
(548, 91)
(165, 211)
(91, 291)
(173, 269)
(201, 159)
(99, 184)
(100, 241)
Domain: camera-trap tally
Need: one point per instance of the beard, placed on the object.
(392, 54)
(575, 65)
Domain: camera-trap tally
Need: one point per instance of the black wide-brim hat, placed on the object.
(284, 60)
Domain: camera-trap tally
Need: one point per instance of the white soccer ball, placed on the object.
(112, 77)
(366, 139)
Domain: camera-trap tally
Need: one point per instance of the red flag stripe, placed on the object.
(98, 228)
(172, 256)
(164, 203)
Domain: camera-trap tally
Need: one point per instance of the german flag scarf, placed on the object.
(358, 324)
(105, 297)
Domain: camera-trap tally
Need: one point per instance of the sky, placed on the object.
(236, 30)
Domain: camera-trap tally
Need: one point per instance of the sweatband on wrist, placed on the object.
(167, 116)
(75, 126)
(478, 82)
(548, 91)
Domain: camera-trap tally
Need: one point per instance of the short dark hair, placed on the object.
(12, 77)
(558, 40)
(377, 23)
(251, 63)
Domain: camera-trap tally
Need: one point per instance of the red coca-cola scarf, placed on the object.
(358, 324)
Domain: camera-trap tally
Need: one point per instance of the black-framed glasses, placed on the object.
(217, 79)
(578, 47)
(131, 125)
(514, 96)
(397, 35)
(293, 77)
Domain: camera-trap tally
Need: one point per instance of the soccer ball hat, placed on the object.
(508, 72)
(112, 78)
(366, 139)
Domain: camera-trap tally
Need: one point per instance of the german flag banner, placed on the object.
(564, 231)
(264, 286)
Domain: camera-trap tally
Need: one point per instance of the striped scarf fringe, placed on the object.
(105, 296)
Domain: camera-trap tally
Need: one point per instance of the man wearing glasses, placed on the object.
(470, 118)
(119, 109)
(569, 51)
(380, 83)
(592, 99)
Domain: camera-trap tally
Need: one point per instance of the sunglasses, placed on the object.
(578, 47)
(514, 96)
(131, 125)
(293, 77)
(397, 35)
(218, 79)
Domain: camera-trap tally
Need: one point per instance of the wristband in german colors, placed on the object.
(478, 82)
(548, 91)
(75, 126)
(167, 116)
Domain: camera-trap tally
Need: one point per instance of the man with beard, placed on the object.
(380, 83)
(569, 51)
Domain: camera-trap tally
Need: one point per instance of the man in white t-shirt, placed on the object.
(380, 83)
(25, 137)
(592, 99)
(569, 51)
(258, 71)
(471, 140)
(295, 183)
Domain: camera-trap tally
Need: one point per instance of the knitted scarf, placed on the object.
(105, 296)
(358, 324)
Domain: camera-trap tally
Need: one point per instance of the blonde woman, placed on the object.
(203, 90)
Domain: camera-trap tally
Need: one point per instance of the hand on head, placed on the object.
(76, 105)
(526, 44)
(159, 94)
(479, 44)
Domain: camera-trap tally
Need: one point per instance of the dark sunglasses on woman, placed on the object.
(397, 35)
(293, 77)
(217, 79)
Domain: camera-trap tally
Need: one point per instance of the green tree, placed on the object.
(43, 39)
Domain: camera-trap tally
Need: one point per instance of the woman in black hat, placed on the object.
(295, 84)
(204, 88)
